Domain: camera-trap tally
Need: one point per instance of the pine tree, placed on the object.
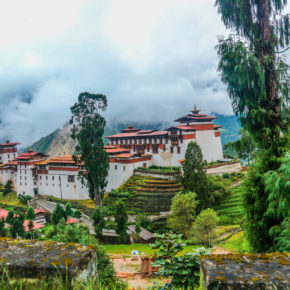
(98, 222)
(58, 214)
(121, 218)
(88, 129)
(8, 187)
(30, 214)
(194, 176)
(257, 80)
(16, 219)
(68, 210)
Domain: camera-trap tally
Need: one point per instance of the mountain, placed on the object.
(230, 127)
(60, 142)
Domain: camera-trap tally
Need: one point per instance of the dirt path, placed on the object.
(220, 251)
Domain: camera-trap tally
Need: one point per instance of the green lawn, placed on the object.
(11, 200)
(142, 248)
(237, 243)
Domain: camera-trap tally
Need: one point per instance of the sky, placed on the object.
(153, 59)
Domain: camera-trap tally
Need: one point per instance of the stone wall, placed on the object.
(246, 271)
(47, 259)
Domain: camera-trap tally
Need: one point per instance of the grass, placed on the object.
(142, 248)
(237, 243)
(231, 210)
(11, 200)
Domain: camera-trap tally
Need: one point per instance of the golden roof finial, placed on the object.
(30, 149)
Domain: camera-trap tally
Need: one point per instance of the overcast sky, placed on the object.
(153, 59)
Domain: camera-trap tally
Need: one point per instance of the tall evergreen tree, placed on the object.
(121, 218)
(30, 214)
(99, 222)
(194, 176)
(58, 214)
(257, 79)
(88, 129)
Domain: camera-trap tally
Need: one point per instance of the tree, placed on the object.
(194, 176)
(203, 228)
(121, 218)
(277, 185)
(244, 148)
(77, 214)
(257, 79)
(30, 214)
(8, 187)
(16, 219)
(58, 214)
(88, 129)
(3, 231)
(182, 212)
(68, 210)
(99, 222)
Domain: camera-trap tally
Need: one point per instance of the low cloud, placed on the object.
(153, 59)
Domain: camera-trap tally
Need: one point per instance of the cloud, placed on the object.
(153, 60)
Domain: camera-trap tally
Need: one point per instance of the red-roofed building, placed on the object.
(71, 220)
(3, 213)
(36, 226)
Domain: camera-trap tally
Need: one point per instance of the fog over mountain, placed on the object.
(153, 60)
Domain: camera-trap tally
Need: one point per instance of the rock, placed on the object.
(47, 259)
(246, 271)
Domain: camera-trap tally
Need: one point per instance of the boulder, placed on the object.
(246, 271)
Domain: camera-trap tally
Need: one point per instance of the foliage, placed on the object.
(3, 231)
(68, 210)
(257, 80)
(72, 233)
(16, 219)
(106, 272)
(58, 214)
(277, 185)
(8, 187)
(161, 168)
(88, 129)
(24, 198)
(194, 176)
(77, 214)
(184, 271)
(244, 148)
(144, 222)
(283, 240)
(121, 219)
(98, 222)
(182, 212)
(30, 214)
(203, 229)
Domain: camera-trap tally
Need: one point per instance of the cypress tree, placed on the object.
(88, 129)
(30, 213)
(58, 214)
(257, 79)
(121, 218)
(194, 176)
(98, 222)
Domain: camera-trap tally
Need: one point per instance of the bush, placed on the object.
(24, 198)
(227, 176)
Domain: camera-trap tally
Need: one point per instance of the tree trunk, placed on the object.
(267, 50)
(97, 198)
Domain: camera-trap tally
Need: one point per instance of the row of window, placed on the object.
(138, 141)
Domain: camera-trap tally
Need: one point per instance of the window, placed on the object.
(155, 148)
(164, 148)
(171, 149)
(46, 177)
(59, 177)
(178, 150)
(144, 165)
(52, 177)
(124, 168)
(71, 178)
(40, 177)
(116, 167)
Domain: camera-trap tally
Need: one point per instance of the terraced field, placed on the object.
(145, 194)
(231, 209)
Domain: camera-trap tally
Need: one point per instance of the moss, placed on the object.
(221, 278)
(255, 279)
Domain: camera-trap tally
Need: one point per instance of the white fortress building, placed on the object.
(34, 173)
